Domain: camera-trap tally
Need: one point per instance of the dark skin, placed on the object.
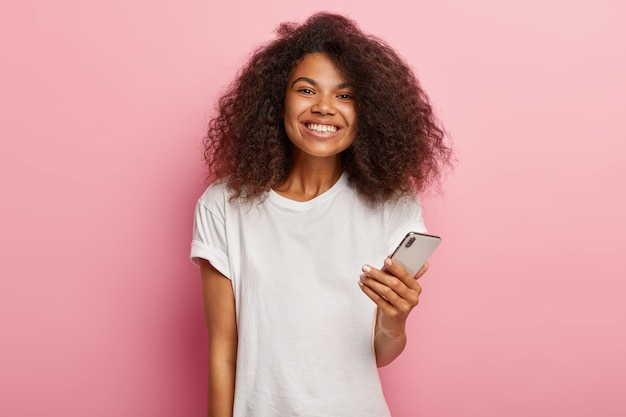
(219, 309)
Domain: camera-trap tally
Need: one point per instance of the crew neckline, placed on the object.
(303, 205)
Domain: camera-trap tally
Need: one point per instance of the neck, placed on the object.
(310, 177)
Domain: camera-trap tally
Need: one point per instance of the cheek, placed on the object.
(352, 119)
(290, 122)
(289, 114)
(349, 113)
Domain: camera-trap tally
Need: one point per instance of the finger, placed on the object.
(387, 307)
(383, 304)
(393, 290)
(389, 266)
(402, 285)
(422, 270)
(398, 271)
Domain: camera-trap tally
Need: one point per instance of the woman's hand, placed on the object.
(396, 293)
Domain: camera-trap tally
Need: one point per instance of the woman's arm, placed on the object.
(395, 293)
(219, 310)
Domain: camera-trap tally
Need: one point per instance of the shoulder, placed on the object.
(219, 197)
(400, 206)
(408, 202)
(217, 191)
(215, 198)
(406, 207)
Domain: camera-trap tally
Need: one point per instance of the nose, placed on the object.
(323, 105)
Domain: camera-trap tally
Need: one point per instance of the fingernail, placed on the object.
(388, 262)
(362, 277)
(366, 268)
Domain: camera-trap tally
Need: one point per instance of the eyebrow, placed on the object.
(314, 83)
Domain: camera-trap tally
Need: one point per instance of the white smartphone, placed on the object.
(414, 250)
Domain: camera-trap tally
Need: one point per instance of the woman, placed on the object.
(317, 153)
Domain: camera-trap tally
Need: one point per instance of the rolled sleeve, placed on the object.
(209, 238)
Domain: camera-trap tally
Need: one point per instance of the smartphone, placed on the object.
(414, 250)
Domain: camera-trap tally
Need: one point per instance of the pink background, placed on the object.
(102, 107)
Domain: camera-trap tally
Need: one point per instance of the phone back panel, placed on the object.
(414, 250)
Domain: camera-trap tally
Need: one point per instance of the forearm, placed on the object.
(221, 387)
(388, 346)
(219, 304)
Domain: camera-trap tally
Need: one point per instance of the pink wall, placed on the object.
(102, 107)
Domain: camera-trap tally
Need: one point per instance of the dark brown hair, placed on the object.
(399, 145)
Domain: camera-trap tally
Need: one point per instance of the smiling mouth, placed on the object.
(324, 129)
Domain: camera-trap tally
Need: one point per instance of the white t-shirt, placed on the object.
(305, 329)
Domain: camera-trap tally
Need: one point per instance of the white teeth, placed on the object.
(321, 128)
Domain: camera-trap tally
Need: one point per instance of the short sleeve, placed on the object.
(404, 216)
(209, 233)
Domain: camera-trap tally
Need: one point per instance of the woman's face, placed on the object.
(320, 118)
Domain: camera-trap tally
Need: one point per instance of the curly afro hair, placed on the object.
(399, 146)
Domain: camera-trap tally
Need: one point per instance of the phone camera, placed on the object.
(410, 242)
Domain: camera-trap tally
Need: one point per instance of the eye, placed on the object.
(306, 91)
(345, 96)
